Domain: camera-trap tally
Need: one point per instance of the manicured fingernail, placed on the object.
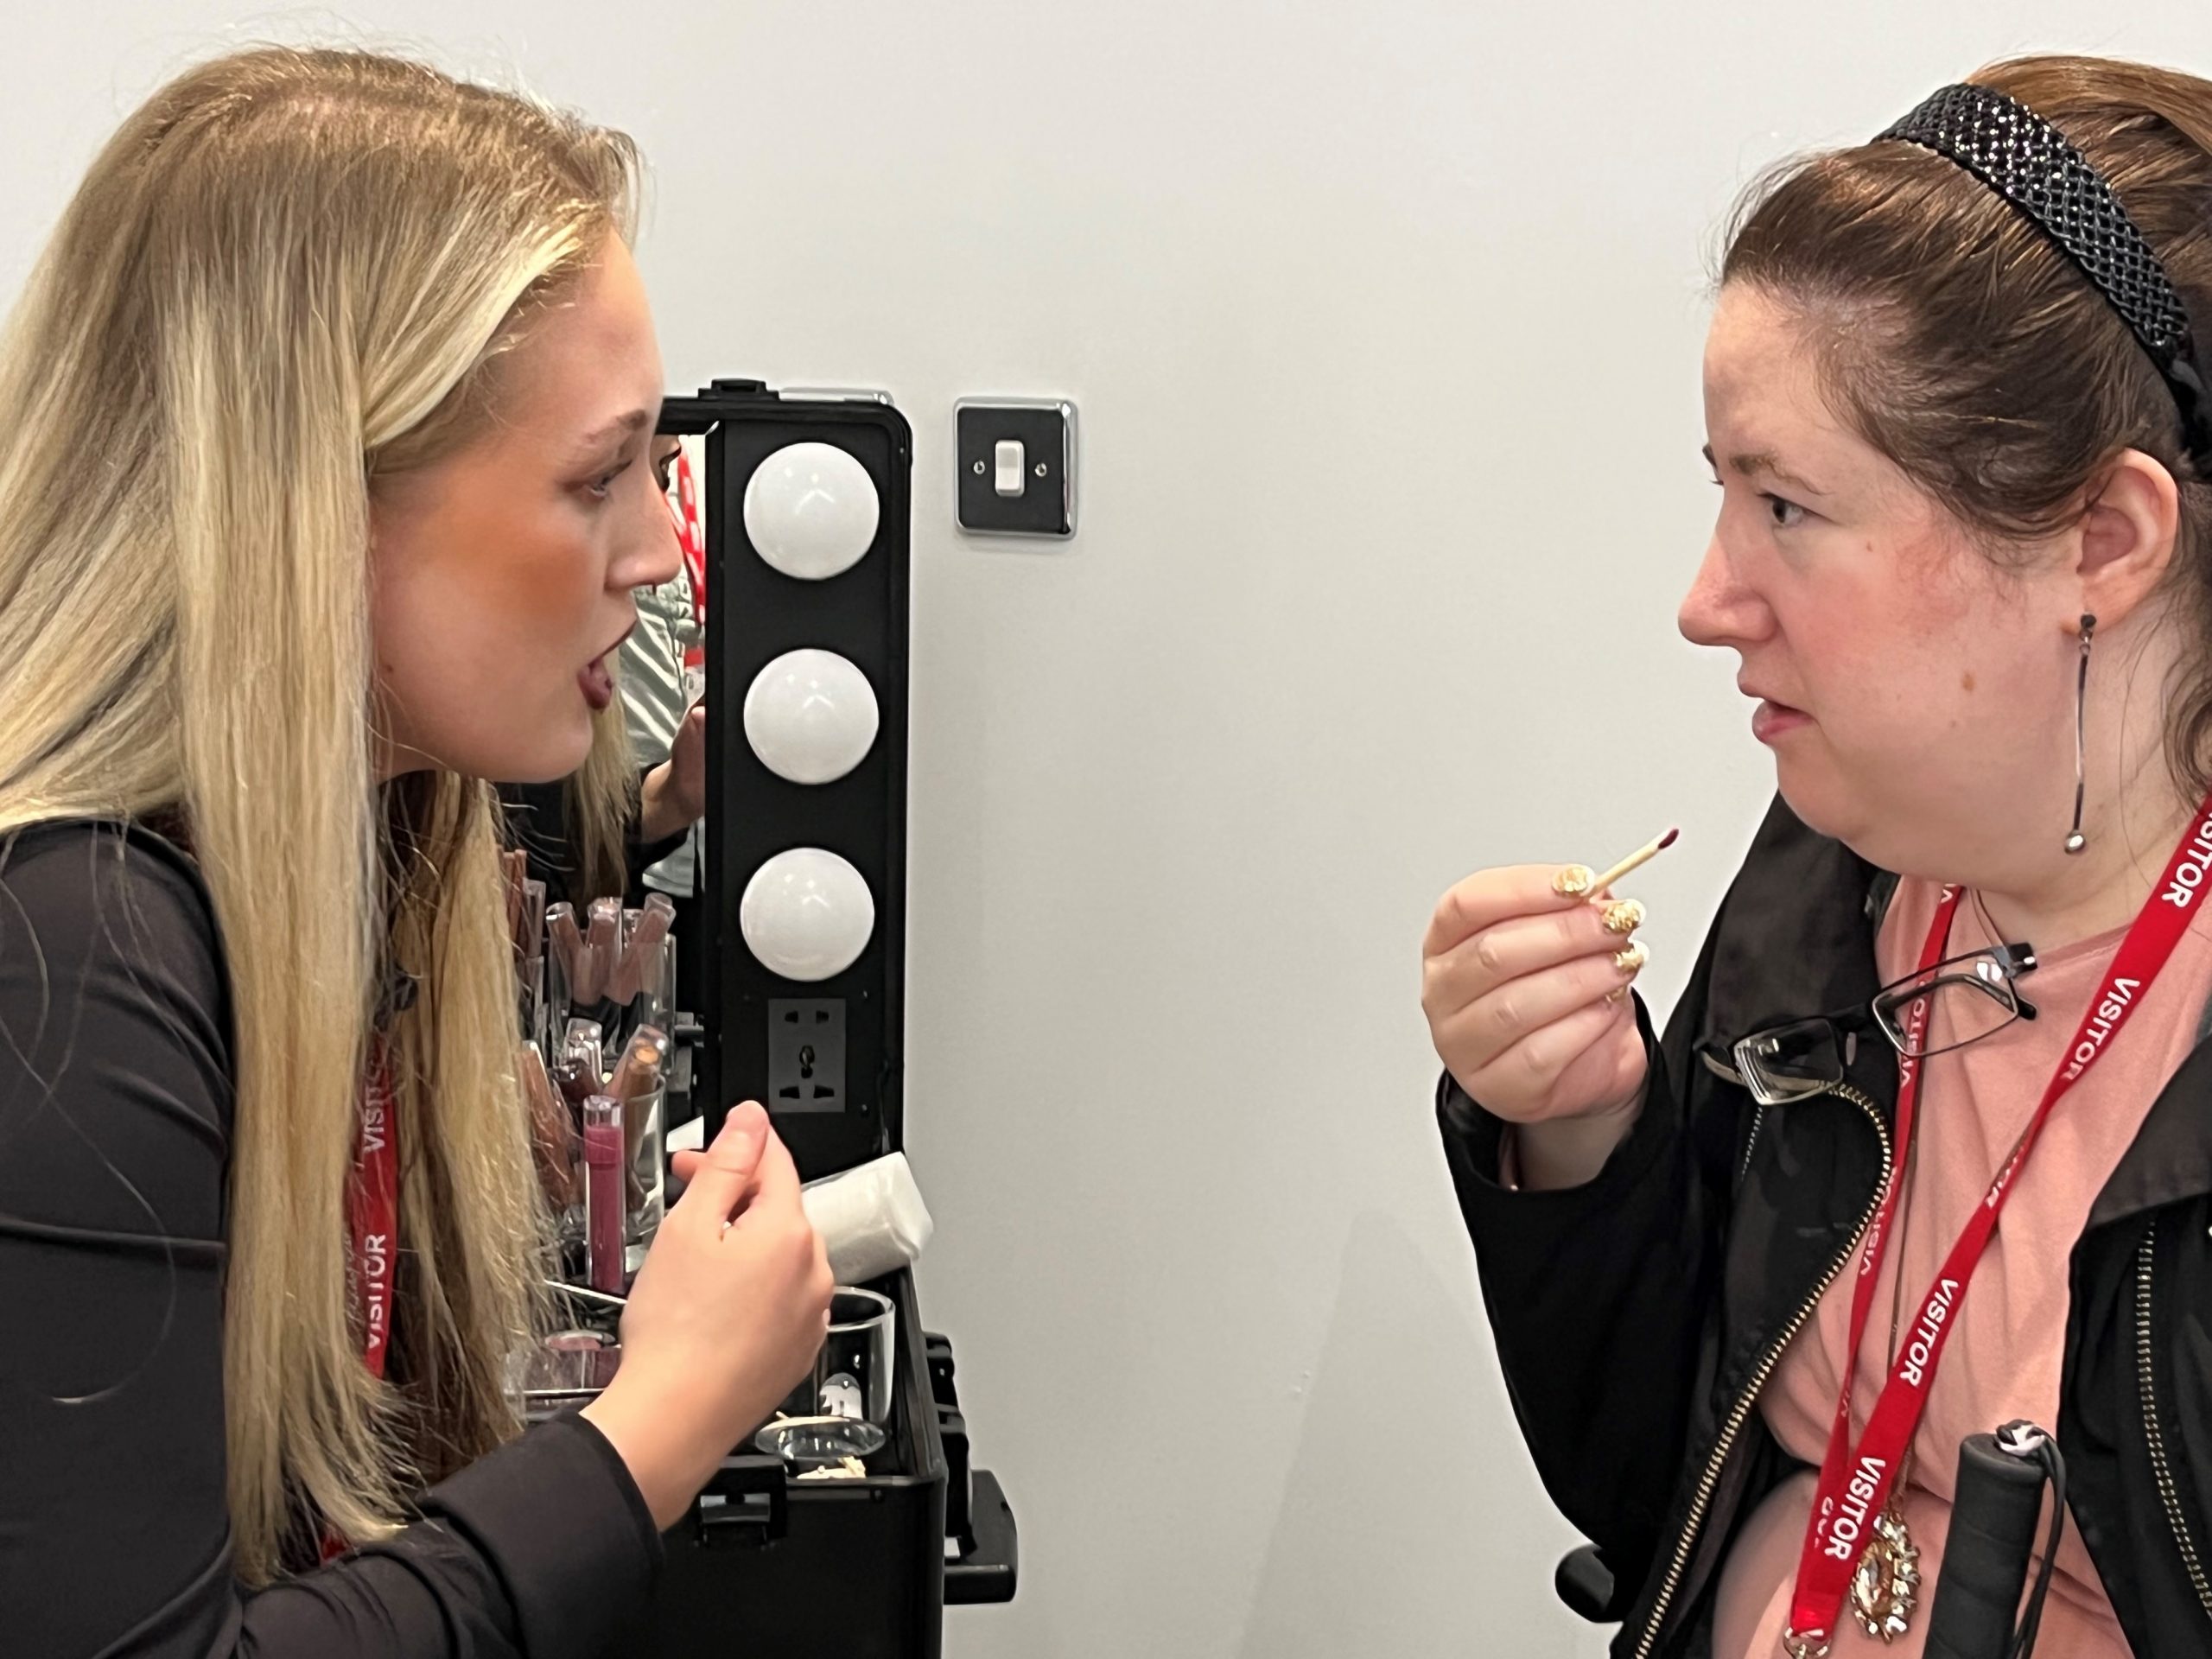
(1623, 917)
(1632, 959)
(1618, 993)
(1573, 881)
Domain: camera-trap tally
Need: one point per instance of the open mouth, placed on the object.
(1771, 719)
(595, 679)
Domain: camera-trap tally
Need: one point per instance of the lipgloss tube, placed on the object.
(637, 1074)
(533, 921)
(531, 971)
(638, 956)
(577, 1067)
(567, 947)
(601, 943)
(611, 988)
(584, 1043)
(638, 1070)
(603, 1166)
(576, 1082)
(552, 1133)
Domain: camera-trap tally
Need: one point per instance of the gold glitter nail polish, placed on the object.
(1624, 915)
(1573, 881)
(1634, 957)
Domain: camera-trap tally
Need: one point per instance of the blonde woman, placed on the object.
(323, 492)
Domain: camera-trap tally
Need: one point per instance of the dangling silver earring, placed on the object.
(2077, 840)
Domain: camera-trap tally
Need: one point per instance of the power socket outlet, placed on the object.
(806, 1055)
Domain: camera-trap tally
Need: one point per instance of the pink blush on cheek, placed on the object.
(511, 546)
(545, 597)
(488, 596)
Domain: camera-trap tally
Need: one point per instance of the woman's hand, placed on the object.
(674, 795)
(1526, 993)
(726, 1316)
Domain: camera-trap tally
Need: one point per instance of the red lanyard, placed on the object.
(1855, 1484)
(685, 509)
(372, 1222)
(372, 1207)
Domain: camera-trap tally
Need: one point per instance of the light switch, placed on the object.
(1008, 463)
(1016, 461)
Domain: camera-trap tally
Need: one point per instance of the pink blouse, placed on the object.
(2003, 1357)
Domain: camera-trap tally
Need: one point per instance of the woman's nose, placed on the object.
(1720, 609)
(653, 554)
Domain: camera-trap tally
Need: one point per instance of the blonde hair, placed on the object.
(290, 273)
(600, 803)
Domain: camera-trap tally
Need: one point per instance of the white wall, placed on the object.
(1384, 320)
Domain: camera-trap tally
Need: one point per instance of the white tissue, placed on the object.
(871, 1218)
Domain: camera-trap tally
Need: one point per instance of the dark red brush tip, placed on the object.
(1667, 840)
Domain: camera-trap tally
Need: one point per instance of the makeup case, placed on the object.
(773, 1566)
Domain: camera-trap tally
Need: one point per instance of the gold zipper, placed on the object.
(1750, 1142)
(1729, 1074)
(2151, 1432)
(1742, 1409)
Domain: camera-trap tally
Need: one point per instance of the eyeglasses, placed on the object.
(1976, 994)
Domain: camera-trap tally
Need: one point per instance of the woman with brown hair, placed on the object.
(1927, 1146)
(362, 359)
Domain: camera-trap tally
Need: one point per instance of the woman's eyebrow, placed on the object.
(620, 426)
(1753, 463)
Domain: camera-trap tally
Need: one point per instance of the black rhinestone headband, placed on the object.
(2029, 162)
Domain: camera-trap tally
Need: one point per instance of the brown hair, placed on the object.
(1958, 339)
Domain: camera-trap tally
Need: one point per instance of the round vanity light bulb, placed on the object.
(810, 510)
(807, 914)
(811, 716)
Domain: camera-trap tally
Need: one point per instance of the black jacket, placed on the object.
(1638, 1316)
(115, 1104)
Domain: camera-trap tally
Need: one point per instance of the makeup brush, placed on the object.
(1575, 880)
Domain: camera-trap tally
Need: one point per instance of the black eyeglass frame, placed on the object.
(1738, 1062)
